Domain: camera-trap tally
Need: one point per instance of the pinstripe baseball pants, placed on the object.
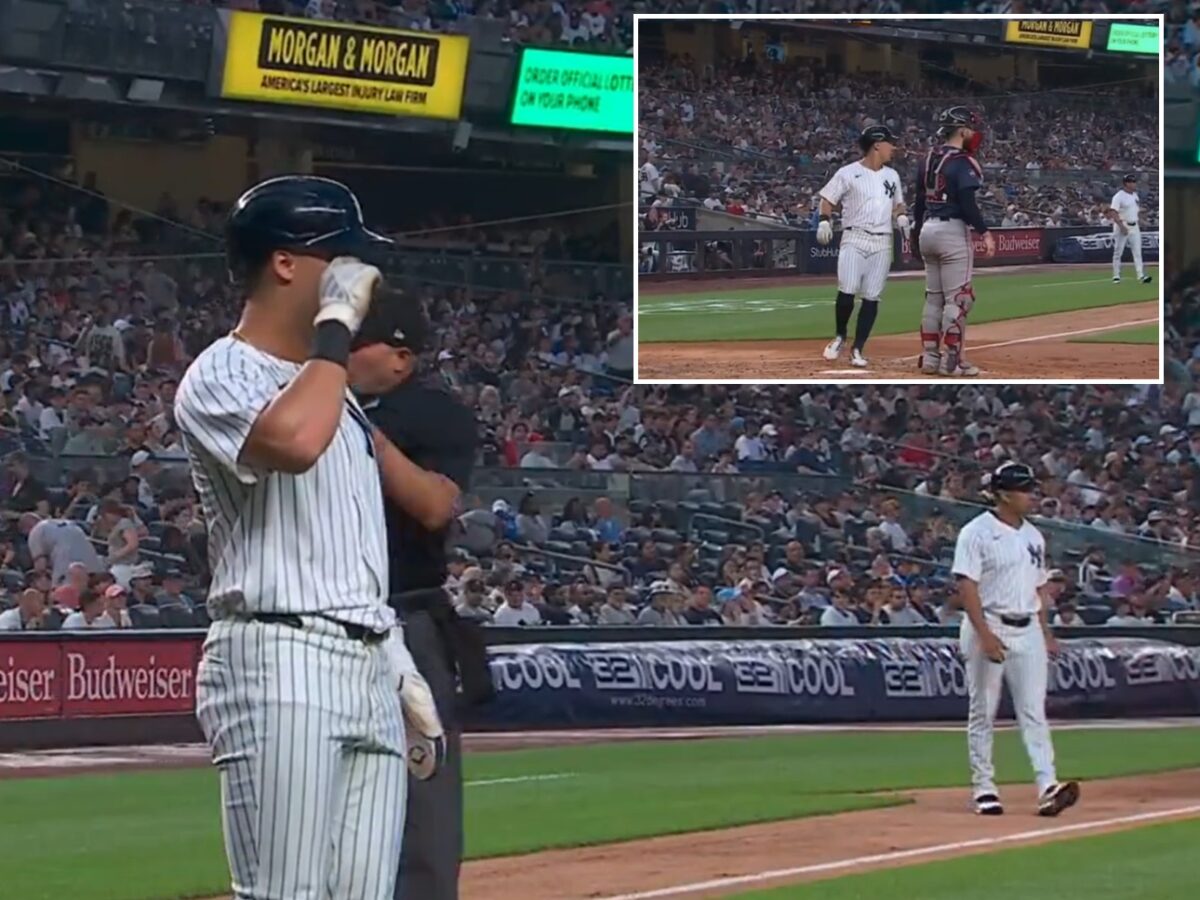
(306, 729)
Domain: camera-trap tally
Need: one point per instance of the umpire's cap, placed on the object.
(1013, 476)
(300, 213)
(1129, 176)
(873, 134)
(395, 320)
(958, 117)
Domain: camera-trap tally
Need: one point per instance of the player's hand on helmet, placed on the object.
(824, 232)
(423, 731)
(993, 647)
(989, 244)
(346, 290)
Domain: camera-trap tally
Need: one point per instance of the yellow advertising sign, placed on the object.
(1072, 33)
(273, 59)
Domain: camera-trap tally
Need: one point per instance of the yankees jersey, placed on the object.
(312, 543)
(867, 196)
(1008, 564)
(1126, 204)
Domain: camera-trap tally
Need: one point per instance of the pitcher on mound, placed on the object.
(946, 212)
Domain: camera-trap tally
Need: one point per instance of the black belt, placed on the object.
(945, 218)
(1015, 621)
(359, 633)
(1133, 224)
(876, 233)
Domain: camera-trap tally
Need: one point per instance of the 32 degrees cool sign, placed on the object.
(579, 91)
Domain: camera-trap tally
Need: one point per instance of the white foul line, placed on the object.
(903, 854)
(1049, 337)
(518, 779)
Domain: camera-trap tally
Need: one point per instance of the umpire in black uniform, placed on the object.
(437, 433)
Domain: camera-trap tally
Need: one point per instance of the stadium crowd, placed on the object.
(759, 138)
(739, 504)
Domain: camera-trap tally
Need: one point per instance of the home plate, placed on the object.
(857, 372)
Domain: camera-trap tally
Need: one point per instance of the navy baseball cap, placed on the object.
(1129, 176)
(396, 320)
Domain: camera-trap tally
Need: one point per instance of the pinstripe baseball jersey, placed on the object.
(312, 543)
(1008, 564)
(867, 196)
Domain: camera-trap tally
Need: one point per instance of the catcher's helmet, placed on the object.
(1013, 476)
(301, 213)
(873, 134)
(959, 117)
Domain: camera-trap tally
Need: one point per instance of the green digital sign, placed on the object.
(1134, 39)
(579, 91)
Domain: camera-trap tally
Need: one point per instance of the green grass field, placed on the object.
(76, 837)
(1155, 862)
(804, 310)
(1138, 334)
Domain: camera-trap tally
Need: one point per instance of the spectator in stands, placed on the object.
(171, 592)
(608, 527)
(699, 609)
(115, 606)
(514, 610)
(117, 525)
(25, 493)
(614, 611)
(90, 614)
(141, 585)
(532, 526)
(601, 575)
(659, 611)
(553, 609)
(648, 563)
(895, 610)
(30, 613)
(584, 601)
(62, 542)
(474, 595)
(1066, 614)
(841, 612)
(743, 609)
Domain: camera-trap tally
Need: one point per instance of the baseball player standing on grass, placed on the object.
(1124, 214)
(304, 690)
(871, 197)
(1000, 563)
(437, 432)
(945, 211)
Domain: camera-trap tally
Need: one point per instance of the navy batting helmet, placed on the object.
(1013, 476)
(873, 134)
(300, 213)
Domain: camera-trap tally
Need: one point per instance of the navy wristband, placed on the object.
(331, 342)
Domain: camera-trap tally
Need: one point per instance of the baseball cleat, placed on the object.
(1145, 279)
(930, 363)
(988, 805)
(857, 358)
(1117, 280)
(1056, 799)
(834, 348)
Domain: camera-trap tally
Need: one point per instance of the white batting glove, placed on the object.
(423, 731)
(824, 233)
(346, 290)
(902, 223)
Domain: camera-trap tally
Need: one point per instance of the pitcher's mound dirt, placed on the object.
(1034, 347)
(827, 846)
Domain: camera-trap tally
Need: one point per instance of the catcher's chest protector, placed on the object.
(936, 161)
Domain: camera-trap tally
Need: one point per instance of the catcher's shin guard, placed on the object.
(931, 331)
(954, 324)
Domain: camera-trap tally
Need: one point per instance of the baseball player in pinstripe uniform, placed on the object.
(871, 197)
(1000, 561)
(304, 691)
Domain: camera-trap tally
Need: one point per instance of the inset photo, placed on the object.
(899, 199)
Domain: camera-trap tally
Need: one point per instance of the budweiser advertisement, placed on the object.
(91, 678)
(1013, 246)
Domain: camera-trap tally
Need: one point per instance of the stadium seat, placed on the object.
(1095, 615)
(176, 617)
(143, 616)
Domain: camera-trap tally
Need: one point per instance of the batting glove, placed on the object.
(422, 727)
(824, 232)
(346, 290)
(902, 223)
